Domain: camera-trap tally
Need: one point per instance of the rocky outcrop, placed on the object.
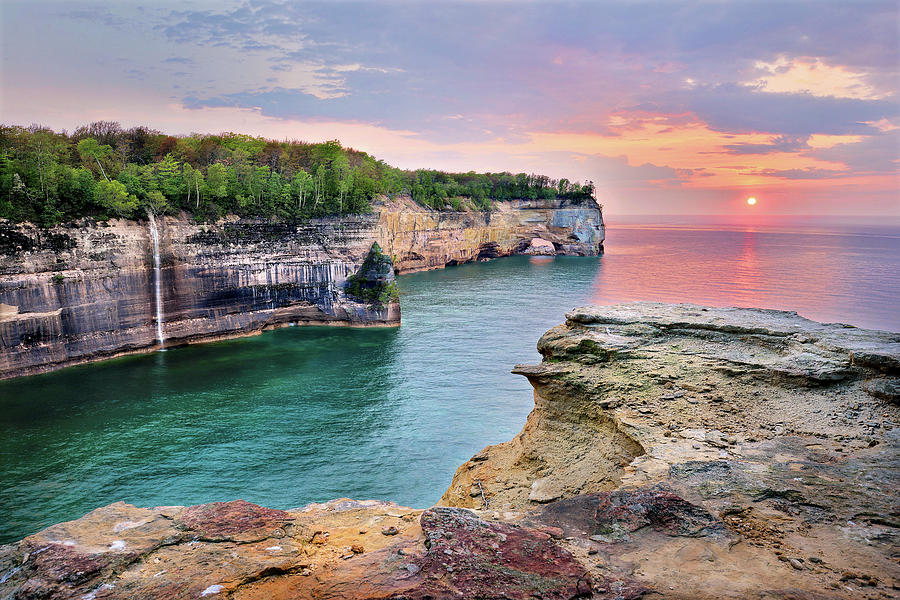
(374, 281)
(675, 451)
(342, 549)
(710, 452)
(86, 291)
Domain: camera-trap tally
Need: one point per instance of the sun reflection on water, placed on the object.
(821, 275)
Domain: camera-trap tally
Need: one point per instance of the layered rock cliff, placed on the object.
(710, 452)
(674, 451)
(87, 291)
(417, 238)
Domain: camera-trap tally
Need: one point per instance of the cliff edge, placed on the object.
(674, 451)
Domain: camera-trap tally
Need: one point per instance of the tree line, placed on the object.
(102, 170)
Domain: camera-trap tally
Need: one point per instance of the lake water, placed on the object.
(301, 415)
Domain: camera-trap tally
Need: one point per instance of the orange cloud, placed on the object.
(690, 146)
(813, 76)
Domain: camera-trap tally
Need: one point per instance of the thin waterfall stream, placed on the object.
(154, 235)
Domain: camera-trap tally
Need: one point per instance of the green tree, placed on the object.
(76, 191)
(91, 152)
(319, 185)
(113, 196)
(168, 176)
(156, 203)
(193, 182)
(301, 187)
(256, 184)
(341, 166)
(46, 177)
(216, 184)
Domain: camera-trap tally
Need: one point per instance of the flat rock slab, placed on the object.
(471, 558)
(238, 520)
(612, 516)
(326, 552)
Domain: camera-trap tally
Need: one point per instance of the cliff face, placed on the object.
(676, 452)
(80, 293)
(83, 293)
(418, 239)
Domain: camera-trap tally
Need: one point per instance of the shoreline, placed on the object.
(222, 337)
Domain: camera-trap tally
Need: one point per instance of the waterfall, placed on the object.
(154, 234)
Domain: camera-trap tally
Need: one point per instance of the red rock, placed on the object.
(60, 563)
(224, 520)
(471, 558)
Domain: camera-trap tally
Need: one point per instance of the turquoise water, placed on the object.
(300, 415)
(294, 415)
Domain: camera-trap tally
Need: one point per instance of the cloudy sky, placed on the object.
(669, 107)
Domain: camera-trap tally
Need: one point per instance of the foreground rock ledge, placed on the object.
(675, 451)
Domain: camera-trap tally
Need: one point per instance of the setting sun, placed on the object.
(751, 200)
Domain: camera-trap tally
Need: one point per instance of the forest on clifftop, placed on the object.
(102, 170)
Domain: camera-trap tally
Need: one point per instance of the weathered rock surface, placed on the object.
(240, 550)
(86, 292)
(541, 247)
(675, 451)
(710, 452)
(94, 298)
(417, 238)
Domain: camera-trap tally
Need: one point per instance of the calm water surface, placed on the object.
(300, 415)
(826, 270)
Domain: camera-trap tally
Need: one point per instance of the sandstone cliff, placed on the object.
(86, 292)
(418, 238)
(674, 452)
(709, 452)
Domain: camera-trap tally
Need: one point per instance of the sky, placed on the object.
(668, 107)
